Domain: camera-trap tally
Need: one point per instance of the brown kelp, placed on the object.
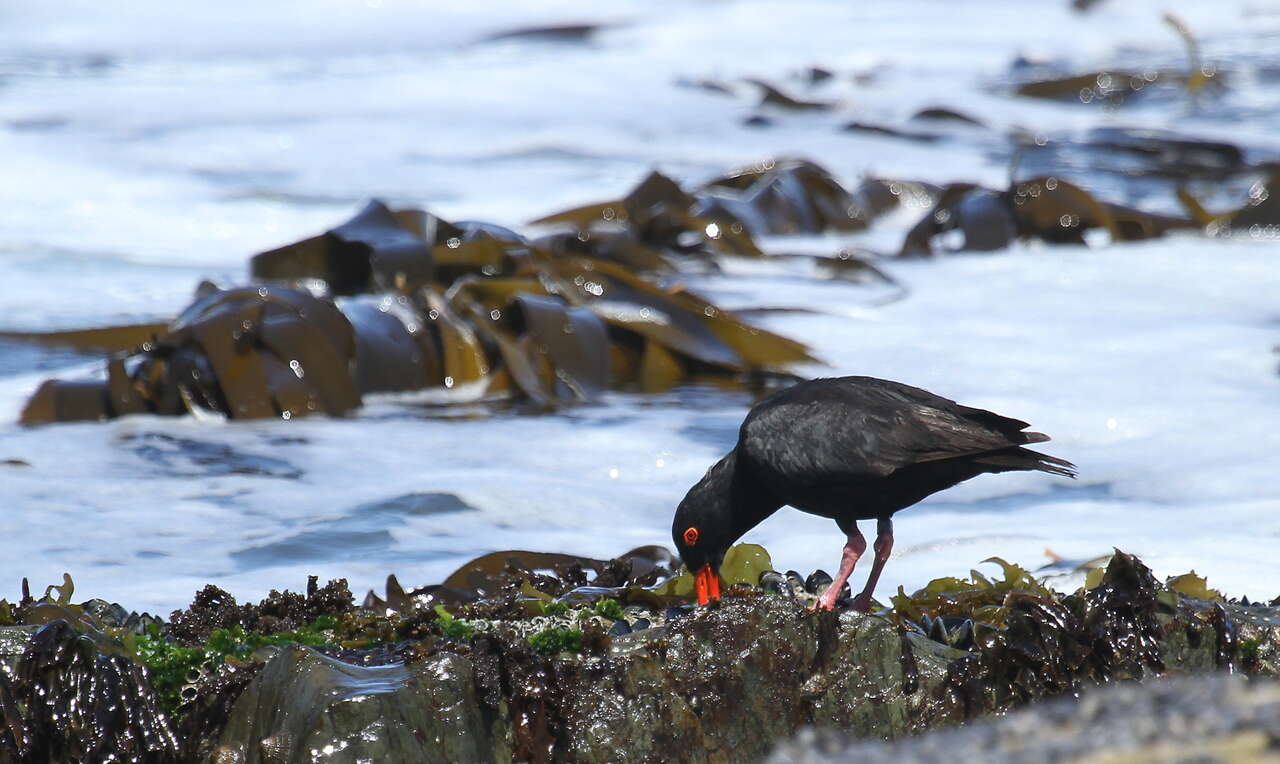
(432, 304)
(1114, 87)
(1052, 209)
(1048, 209)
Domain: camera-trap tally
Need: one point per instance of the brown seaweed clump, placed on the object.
(214, 609)
(73, 697)
(471, 308)
(1051, 645)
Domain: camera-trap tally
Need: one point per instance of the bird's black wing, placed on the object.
(858, 428)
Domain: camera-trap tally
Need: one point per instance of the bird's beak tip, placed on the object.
(707, 584)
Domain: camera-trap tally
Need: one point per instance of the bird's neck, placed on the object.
(749, 500)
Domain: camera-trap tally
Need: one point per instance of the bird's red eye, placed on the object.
(690, 536)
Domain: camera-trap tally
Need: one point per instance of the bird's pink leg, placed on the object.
(883, 548)
(853, 550)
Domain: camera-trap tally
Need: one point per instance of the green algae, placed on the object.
(1249, 650)
(976, 597)
(554, 608)
(609, 608)
(555, 640)
(172, 667)
(452, 626)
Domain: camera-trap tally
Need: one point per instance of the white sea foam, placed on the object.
(156, 144)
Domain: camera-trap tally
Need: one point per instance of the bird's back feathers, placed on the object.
(853, 429)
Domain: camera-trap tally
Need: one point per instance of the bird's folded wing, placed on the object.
(871, 433)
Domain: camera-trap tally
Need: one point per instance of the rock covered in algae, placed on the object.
(723, 683)
(718, 685)
(539, 668)
(1207, 720)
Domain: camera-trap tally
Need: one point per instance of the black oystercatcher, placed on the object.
(852, 448)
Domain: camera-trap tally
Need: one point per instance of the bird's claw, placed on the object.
(862, 603)
(823, 603)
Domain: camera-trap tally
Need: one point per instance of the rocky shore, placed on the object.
(1203, 719)
(593, 664)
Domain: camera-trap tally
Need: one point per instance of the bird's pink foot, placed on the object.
(828, 599)
(852, 551)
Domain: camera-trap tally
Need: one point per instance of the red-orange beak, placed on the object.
(707, 584)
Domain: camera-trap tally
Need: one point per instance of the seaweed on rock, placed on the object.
(73, 698)
(1036, 643)
(214, 609)
(553, 657)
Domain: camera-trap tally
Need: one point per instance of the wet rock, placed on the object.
(640, 624)
(1201, 719)
(622, 628)
(304, 706)
(712, 685)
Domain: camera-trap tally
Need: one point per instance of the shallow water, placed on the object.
(153, 147)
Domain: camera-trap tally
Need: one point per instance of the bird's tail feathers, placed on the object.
(1026, 459)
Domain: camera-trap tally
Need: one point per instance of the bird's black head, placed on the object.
(704, 527)
(699, 530)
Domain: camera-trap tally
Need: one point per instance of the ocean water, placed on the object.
(152, 146)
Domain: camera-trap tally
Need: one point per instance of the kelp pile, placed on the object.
(401, 300)
(536, 635)
(1059, 181)
(1048, 198)
(1044, 206)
